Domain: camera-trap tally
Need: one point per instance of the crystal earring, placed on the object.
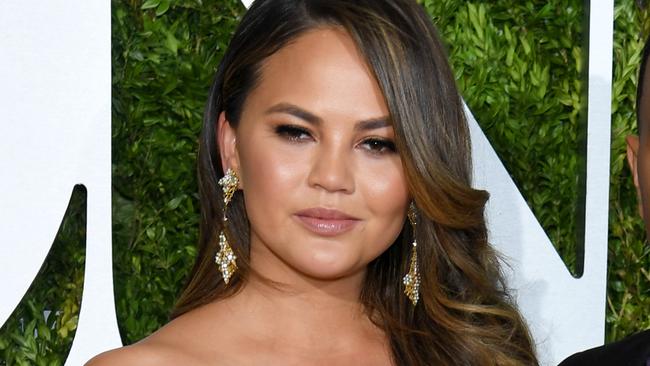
(412, 279)
(225, 258)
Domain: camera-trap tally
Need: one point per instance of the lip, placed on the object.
(326, 222)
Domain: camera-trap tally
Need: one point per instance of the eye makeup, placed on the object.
(293, 133)
(379, 145)
(374, 145)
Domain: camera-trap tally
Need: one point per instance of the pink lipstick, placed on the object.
(326, 222)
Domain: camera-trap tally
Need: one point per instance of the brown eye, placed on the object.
(293, 133)
(377, 145)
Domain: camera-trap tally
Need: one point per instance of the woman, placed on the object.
(335, 182)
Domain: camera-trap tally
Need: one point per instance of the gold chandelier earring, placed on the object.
(225, 257)
(412, 279)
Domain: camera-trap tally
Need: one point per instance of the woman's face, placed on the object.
(324, 188)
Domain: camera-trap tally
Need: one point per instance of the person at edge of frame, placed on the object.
(635, 349)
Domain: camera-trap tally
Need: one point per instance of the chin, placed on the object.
(328, 267)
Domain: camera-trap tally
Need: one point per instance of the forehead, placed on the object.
(324, 72)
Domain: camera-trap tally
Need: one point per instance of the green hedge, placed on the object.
(520, 69)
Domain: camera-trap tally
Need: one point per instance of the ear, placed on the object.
(632, 153)
(227, 138)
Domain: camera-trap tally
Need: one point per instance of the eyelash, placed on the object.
(295, 134)
(385, 146)
(292, 133)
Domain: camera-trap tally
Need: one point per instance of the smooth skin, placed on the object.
(315, 132)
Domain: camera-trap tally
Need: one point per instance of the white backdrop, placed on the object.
(55, 131)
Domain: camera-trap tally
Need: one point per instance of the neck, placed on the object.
(310, 316)
(283, 304)
(305, 294)
(276, 280)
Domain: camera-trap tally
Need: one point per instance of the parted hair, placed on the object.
(465, 315)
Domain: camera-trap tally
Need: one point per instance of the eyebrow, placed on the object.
(363, 125)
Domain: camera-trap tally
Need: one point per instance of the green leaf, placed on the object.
(163, 7)
(172, 43)
(175, 202)
(148, 4)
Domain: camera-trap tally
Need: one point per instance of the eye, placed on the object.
(293, 133)
(379, 146)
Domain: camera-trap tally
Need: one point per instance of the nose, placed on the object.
(331, 170)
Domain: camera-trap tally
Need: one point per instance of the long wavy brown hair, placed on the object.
(465, 316)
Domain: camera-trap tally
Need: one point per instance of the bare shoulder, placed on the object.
(159, 348)
(144, 353)
(187, 340)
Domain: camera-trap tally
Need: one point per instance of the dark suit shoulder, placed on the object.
(631, 351)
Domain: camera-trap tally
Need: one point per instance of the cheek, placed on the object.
(270, 177)
(265, 169)
(386, 197)
(383, 186)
